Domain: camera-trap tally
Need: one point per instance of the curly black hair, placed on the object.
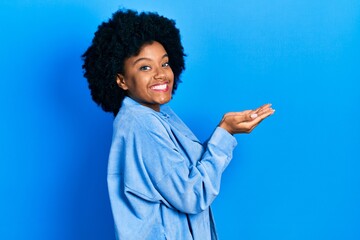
(122, 37)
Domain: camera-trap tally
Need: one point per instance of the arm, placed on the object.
(180, 185)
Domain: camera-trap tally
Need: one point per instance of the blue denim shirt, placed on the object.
(161, 179)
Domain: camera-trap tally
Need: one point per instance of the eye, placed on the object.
(144, 68)
(166, 64)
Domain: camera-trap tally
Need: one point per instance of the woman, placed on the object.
(161, 179)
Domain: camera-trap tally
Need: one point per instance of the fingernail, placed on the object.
(254, 115)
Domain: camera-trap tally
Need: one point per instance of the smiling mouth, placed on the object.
(160, 87)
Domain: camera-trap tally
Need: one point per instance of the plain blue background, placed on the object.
(297, 176)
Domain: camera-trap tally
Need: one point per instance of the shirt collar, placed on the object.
(131, 103)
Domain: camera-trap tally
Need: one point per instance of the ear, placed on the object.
(120, 80)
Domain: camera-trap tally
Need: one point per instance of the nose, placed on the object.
(160, 73)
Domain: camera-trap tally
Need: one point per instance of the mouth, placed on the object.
(163, 87)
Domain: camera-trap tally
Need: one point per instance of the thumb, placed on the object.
(252, 115)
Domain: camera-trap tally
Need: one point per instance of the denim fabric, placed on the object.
(161, 179)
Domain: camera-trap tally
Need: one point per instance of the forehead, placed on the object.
(154, 49)
(149, 52)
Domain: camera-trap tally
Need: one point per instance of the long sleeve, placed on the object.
(184, 183)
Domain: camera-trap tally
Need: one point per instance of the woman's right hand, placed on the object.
(246, 121)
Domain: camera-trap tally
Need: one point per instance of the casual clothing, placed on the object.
(161, 179)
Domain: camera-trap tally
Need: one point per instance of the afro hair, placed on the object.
(122, 37)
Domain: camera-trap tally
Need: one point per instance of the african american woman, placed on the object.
(161, 179)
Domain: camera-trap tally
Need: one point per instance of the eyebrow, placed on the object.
(140, 59)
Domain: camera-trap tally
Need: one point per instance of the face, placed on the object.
(148, 78)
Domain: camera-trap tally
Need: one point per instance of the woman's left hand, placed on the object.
(245, 121)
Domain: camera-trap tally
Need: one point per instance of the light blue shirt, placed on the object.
(161, 179)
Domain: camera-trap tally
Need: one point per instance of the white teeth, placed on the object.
(159, 87)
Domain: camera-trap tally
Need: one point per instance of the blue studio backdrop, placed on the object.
(297, 176)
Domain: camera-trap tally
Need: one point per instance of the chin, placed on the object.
(164, 100)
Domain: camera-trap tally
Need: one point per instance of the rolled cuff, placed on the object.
(223, 140)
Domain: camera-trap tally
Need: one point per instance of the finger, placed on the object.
(250, 115)
(247, 111)
(267, 105)
(242, 118)
(261, 117)
(263, 107)
(230, 114)
(241, 113)
(264, 115)
(265, 110)
(239, 116)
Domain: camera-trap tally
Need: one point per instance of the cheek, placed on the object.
(138, 81)
(171, 75)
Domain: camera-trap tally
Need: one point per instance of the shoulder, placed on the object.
(139, 121)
